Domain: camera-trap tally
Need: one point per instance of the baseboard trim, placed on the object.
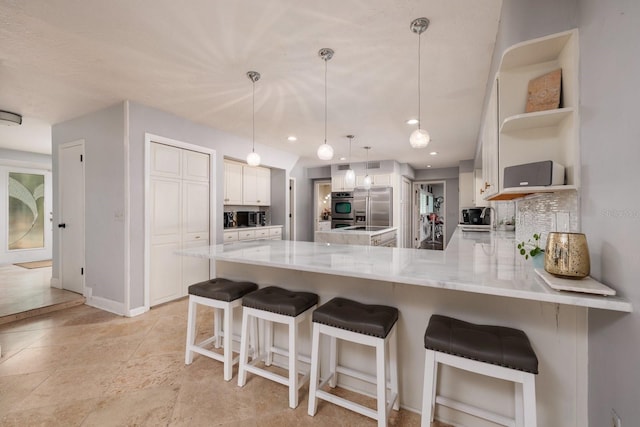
(137, 311)
(106, 305)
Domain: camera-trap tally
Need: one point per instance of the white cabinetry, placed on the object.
(536, 136)
(179, 219)
(381, 180)
(256, 233)
(465, 190)
(338, 183)
(246, 185)
(232, 183)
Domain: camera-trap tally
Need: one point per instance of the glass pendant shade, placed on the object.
(367, 183)
(253, 159)
(350, 178)
(419, 138)
(325, 152)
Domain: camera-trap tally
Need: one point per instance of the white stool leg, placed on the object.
(393, 362)
(191, 329)
(519, 404)
(293, 363)
(228, 337)
(381, 371)
(333, 361)
(217, 327)
(529, 397)
(315, 368)
(244, 349)
(254, 339)
(268, 342)
(429, 388)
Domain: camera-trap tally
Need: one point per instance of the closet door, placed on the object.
(179, 186)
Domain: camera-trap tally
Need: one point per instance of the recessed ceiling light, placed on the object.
(433, 153)
(428, 166)
(343, 158)
(412, 121)
(292, 138)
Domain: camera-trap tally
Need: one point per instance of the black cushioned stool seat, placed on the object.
(223, 295)
(222, 289)
(280, 301)
(276, 305)
(494, 351)
(374, 320)
(498, 345)
(363, 324)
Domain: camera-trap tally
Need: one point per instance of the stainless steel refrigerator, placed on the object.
(374, 206)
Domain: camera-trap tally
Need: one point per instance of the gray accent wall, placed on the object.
(610, 149)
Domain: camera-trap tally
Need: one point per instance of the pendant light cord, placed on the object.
(253, 119)
(325, 101)
(419, 112)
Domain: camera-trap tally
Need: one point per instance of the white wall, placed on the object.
(103, 133)
(610, 146)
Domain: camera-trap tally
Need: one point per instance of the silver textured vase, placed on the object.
(567, 255)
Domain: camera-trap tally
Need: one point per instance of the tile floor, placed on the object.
(28, 292)
(85, 367)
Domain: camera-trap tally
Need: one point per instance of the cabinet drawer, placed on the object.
(275, 231)
(246, 235)
(263, 233)
(230, 236)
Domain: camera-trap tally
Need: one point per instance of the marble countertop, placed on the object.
(483, 263)
(250, 227)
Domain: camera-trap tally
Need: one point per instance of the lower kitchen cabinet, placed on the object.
(254, 233)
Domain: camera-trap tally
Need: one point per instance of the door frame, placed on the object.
(57, 283)
(292, 209)
(148, 139)
(415, 212)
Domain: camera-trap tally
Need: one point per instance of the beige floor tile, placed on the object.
(38, 359)
(68, 414)
(150, 371)
(15, 388)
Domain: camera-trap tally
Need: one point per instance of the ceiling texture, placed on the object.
(62, 59)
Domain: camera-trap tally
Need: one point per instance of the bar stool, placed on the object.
(495, 351)
(223, 295)
(372, 325)
(274, 304)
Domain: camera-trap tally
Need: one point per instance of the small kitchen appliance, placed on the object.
(228, 220)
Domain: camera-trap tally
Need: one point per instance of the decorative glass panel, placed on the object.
(26, 211)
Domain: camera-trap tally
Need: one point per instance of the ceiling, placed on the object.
(62, 59)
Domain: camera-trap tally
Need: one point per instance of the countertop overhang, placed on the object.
(483, 263)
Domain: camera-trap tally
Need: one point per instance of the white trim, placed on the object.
(127, 212)
(137, 311)
(61, 147)
(27, 165)
(290, 220)
(148, 139)
(106, 305)
(55, 283)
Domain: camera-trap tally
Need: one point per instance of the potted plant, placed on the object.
(531, 248)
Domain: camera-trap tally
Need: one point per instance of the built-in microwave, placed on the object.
(342, 205)
(251, 218)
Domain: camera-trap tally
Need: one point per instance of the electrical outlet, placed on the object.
(615, 419)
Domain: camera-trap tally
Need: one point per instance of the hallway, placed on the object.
(27, 292)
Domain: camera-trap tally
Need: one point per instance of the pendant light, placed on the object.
(419, 138)
(350, 175)
(325, 151)
(367, 179)
(253, 159)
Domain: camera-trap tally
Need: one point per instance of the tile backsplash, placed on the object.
(547, 212)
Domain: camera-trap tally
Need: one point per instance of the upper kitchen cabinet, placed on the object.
(246, 185)
(232, 183)
(256, 186)
(526, 137)
(338, 183)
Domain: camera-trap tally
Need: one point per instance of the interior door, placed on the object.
(71, 216)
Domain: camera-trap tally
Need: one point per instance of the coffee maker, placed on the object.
(228, 220)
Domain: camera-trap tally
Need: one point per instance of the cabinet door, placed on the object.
(383, 180)
(465, 187)
(249, 185)
(337, 183)
(232, 183)
(263, 186)
(490, 167)
(195, 166)
(478, 184)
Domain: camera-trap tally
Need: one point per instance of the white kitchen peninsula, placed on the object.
(359, 235)
(478, 278)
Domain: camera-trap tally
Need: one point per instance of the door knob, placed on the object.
(63, 225)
